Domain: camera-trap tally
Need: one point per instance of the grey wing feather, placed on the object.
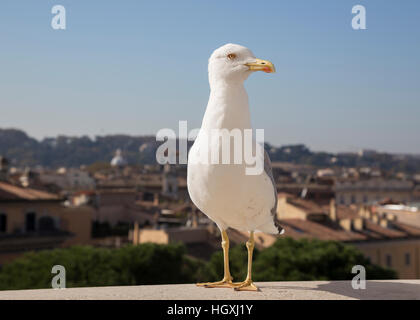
(269, 171)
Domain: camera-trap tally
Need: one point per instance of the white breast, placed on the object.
(224, 192)
(228, 195)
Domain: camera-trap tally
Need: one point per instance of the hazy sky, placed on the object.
(138, 66)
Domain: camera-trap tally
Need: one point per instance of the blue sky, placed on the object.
(135, 67)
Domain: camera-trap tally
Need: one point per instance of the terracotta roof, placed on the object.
(319, 231)
(383, 232)
(11, 192)
(299, 228)
(307, 205)
(411, 230)
(325, 230)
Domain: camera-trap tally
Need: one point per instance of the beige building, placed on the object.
(406, 214)
(201, 242)
(32, 220)
(170, 235)
(69, 179)
(119, 205)
(382, 238)
(372, 191)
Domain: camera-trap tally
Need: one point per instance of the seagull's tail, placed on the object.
(272, 227)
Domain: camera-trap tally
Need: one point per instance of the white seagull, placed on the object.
(225, 192)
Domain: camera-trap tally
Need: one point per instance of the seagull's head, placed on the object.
(234, 63)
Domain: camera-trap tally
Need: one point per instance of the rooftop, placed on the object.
(351, 223)
(304, 290)
(11, 192)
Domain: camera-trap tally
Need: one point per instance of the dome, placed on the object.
(118, 160)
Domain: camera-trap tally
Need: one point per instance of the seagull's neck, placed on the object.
(228, 107)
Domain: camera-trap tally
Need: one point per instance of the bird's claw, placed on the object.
(224, 283)
(247, 285)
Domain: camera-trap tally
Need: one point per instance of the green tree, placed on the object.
(286, 259)
(89, 266)
(298, 260)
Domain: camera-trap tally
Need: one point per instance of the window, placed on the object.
(46, 224)
(407, 259)
(353, 199)
(3, 222)
(388, 260)
(365, 199)
(148, 196)
(30, 222)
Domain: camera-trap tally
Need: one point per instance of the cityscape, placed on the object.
(111, 111)
(368, 200)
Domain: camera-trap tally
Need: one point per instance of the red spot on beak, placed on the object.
(267, 69)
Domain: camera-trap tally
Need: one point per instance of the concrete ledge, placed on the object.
(308, 290)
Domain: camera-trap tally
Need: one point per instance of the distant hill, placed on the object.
(23, 150)
(300, 154)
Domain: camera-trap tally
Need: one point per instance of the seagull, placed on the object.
(225, 192)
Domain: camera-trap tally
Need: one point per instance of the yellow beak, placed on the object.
(261, 65)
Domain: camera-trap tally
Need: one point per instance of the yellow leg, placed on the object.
(226, 282)
(248, 285)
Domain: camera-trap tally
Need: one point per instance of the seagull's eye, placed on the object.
(231, 56)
